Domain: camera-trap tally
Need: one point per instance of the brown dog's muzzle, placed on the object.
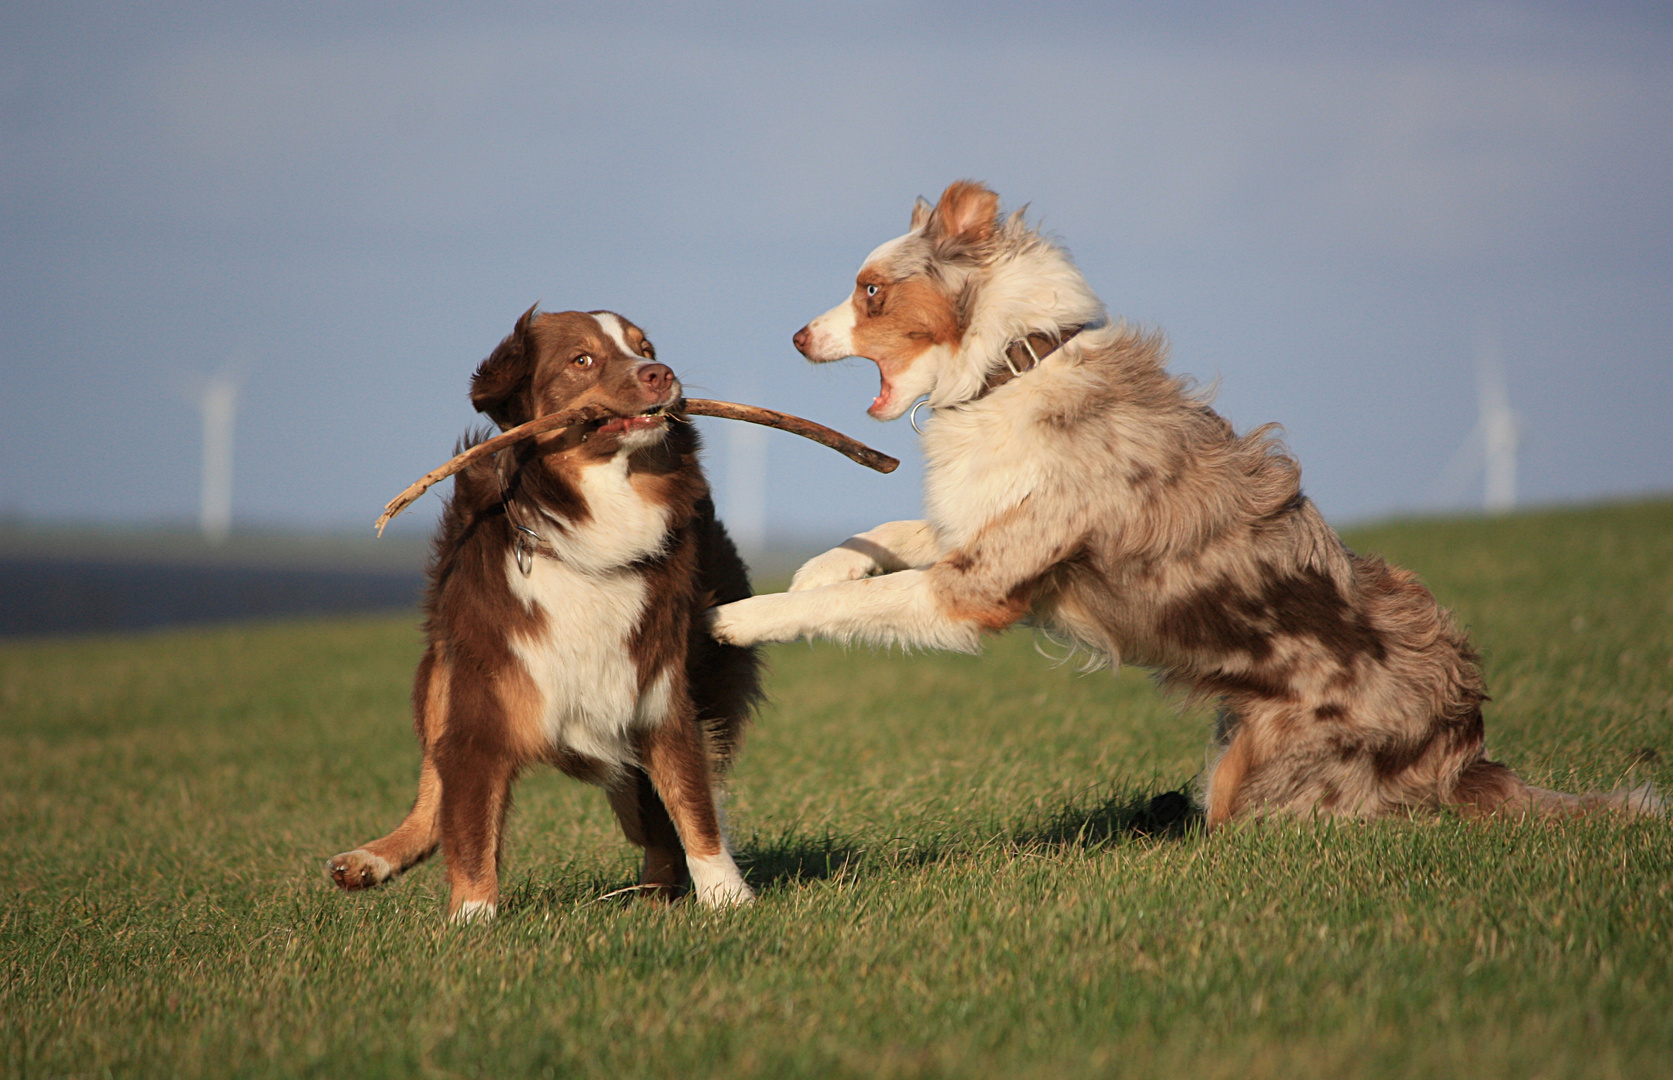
(655, 380)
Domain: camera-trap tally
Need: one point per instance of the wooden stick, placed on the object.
(853, 449)
(807, 429)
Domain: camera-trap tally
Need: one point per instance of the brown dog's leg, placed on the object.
(476, 793)
(417, 837)
(677, 763)
(646, 822)
(411, 843)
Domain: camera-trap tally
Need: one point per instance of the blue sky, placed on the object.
(1329, 212)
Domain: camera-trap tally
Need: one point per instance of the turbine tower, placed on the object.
(218, 403)
(746, 487)
(1498, 429)
(1489, 451)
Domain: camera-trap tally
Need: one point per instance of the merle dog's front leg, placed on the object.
(895, 609)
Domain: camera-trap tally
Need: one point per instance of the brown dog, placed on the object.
(1071, 479)
(563, 620)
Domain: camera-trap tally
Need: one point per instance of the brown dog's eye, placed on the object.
(647, 350)
(871, 290)
(583, 361)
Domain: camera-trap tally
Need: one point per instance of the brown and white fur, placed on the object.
(1098, 496)
(586, 652)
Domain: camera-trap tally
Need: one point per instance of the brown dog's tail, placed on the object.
(1487, 787)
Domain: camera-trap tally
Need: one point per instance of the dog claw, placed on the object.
(358, 869)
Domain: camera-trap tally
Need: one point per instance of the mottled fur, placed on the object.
(589, 653)
(1101, 497)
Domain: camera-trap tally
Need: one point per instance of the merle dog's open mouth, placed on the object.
(655, 416)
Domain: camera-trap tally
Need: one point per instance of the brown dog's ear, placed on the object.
(498, 385)
(968, 213)
(920, 213)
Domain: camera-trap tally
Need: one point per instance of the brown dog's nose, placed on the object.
(803, 336)
(656, 378)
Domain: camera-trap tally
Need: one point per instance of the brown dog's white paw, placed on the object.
(358, 869)
(474, 911)
(730, 895)
(716, 883)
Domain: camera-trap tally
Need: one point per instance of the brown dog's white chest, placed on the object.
(592, 599)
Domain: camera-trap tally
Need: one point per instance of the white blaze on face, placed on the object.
(615, 331)
(833, 333)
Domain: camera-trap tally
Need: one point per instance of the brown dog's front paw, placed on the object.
(358, 869)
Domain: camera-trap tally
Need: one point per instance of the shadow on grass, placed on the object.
(1170, 815)
(787, 861)
(794, 859)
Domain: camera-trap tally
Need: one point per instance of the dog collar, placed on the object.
(528, 543)
(1025, 353)
(1021, 356)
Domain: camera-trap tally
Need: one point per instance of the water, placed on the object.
(74, 596)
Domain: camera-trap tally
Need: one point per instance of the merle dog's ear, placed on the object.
(499, 386)
(920, 213)
(968, 214)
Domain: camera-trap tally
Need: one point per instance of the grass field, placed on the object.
(955, 873)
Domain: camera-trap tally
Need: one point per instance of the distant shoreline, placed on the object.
(41, 596)
(67, 579)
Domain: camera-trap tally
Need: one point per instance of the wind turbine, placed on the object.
(1489, 451)
(217, 401)
(746, 487)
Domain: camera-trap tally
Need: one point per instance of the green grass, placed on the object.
(955, 875)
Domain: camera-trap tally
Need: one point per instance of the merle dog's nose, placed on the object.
(801, 339)
(656, 378)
